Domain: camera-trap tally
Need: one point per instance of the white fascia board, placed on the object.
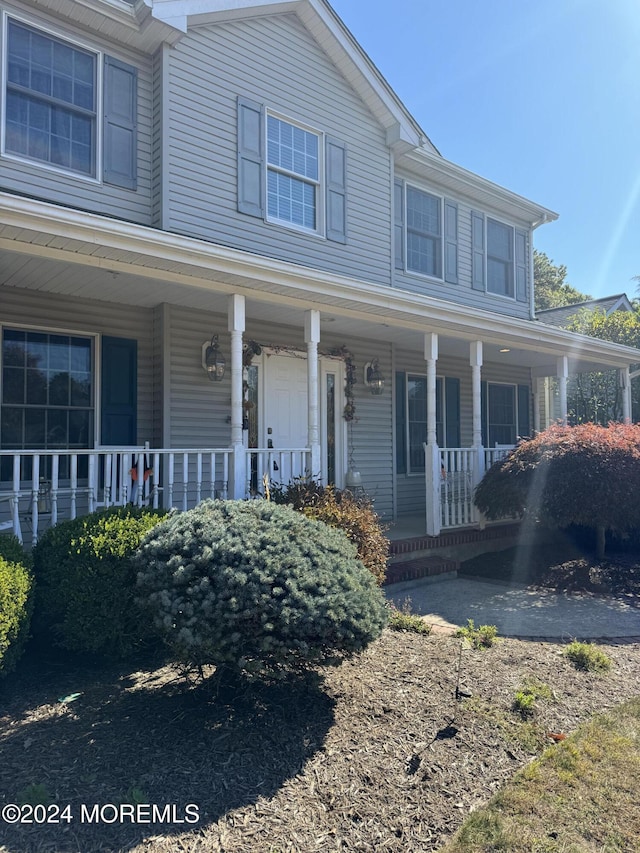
(401, 309)
(470, 184)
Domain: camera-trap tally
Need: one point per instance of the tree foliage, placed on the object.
(550, 286)
(582, 475)
(597, 396)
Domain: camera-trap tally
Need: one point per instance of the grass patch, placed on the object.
(520, 731)
(579, 795)
(588, 657)
(524, 700)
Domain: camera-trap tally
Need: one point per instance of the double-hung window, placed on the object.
(505, 413)
(499, 255)
(293, 174)
(68, 107)
(424, 233)
(500, 258)
(51, 100)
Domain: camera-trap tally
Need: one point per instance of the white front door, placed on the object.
(283, 419)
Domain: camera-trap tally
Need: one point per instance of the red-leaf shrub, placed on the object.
(585, 475)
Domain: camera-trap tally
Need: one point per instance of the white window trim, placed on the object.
(405, 233)
(439, 379)
(319, 184)
(488, 219)
(55, 33)
(96, 345)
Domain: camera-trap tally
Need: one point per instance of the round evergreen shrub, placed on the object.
(354, 516)
(16, 585)
(12, 550)
(257, 587)
(85, 593)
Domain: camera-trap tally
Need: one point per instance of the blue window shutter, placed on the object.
(336, 178)
(477, 248)
(452, 407)
(450, 242)
(524, 424)
(484, 413)
(521, 266)
(401, 423)
(119, 391)
(398, 223)
(120, 124)
(250, 158)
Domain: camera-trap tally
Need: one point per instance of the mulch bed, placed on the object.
(376, 755)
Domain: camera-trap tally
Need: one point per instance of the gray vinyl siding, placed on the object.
(275, 62)
(52, 312)
(462, 292)
(411, 487)
(66, 189)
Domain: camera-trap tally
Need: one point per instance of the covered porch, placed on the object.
(108, 396)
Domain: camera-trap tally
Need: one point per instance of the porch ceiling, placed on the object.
(57, 250)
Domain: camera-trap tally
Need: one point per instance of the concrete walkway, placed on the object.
(519, 611)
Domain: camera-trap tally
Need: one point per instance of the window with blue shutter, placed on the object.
(477, 249)
(450, 242)
(398, 223)
(120, 124)
(119, 391)
(521, 266)
(401, 422)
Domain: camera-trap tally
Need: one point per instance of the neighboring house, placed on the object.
(598, 396)
(185, 180)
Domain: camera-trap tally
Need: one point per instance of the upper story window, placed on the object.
(500, 254)
(499, 258)
(51, 100)
(426, 233)
(68, 107)
(290, 175)
(293, 174)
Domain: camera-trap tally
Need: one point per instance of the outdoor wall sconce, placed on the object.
(373, 378)
(213, 361)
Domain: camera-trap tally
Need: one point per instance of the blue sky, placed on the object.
(540, 96)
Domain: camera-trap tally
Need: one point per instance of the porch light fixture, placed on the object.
(373, 378)
(213, 361)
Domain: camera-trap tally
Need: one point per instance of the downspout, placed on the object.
(532, 304)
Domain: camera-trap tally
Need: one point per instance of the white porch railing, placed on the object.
(451, 475)
(457, 482)
(281, 466)
(39, 488)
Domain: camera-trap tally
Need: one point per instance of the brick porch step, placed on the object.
(420, 567)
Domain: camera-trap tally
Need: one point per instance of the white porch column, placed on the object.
(431, 451)
(312, 339)
(625, 385)
(562, 368)
(475, 360)
(236, 325)
(538, 384)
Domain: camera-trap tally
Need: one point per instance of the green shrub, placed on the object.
(565, 476)
(12, 550)
(587, 656)
(256, 587)
(482, 637)
(15, 612)
(402, 619)
(355, 516)
(85, 593)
